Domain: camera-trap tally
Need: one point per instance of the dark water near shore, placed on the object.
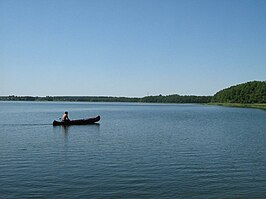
(137, 151)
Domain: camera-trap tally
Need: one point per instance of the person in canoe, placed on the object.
(65, 117)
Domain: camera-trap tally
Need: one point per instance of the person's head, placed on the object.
(66, 113)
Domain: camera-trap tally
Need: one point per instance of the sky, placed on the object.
(130, 48)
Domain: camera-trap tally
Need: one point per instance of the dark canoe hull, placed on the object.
(77, 122)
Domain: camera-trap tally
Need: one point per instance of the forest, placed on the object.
(246, 93)
(253, 92)
(147, 99)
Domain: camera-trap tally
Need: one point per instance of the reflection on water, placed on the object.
(65, 131)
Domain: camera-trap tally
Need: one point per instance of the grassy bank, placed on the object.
(258, 106)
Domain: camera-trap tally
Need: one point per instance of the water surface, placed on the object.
(137, 151)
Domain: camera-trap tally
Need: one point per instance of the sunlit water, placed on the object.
(137, 151)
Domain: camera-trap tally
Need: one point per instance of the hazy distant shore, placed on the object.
(247, 95)
(147, 99)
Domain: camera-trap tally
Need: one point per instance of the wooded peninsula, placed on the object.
(250, 94)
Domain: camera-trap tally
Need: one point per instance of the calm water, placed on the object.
(137, 151)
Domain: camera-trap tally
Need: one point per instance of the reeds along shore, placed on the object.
(258, 106)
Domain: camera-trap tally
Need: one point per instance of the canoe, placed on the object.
(77, 122)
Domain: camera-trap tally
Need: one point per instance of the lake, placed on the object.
(136, 151)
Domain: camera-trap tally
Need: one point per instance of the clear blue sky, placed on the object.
(130, 47)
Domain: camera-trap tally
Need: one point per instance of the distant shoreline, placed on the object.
(170, 99)
(147, 99)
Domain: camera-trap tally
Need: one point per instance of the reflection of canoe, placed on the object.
(77, 122)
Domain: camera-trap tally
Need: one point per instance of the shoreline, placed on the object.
(238, 105)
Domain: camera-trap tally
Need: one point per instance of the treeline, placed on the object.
(147, 99)
(177, 99)
(246, 93)
(69, 98)
(19, 98)
(92, 99)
